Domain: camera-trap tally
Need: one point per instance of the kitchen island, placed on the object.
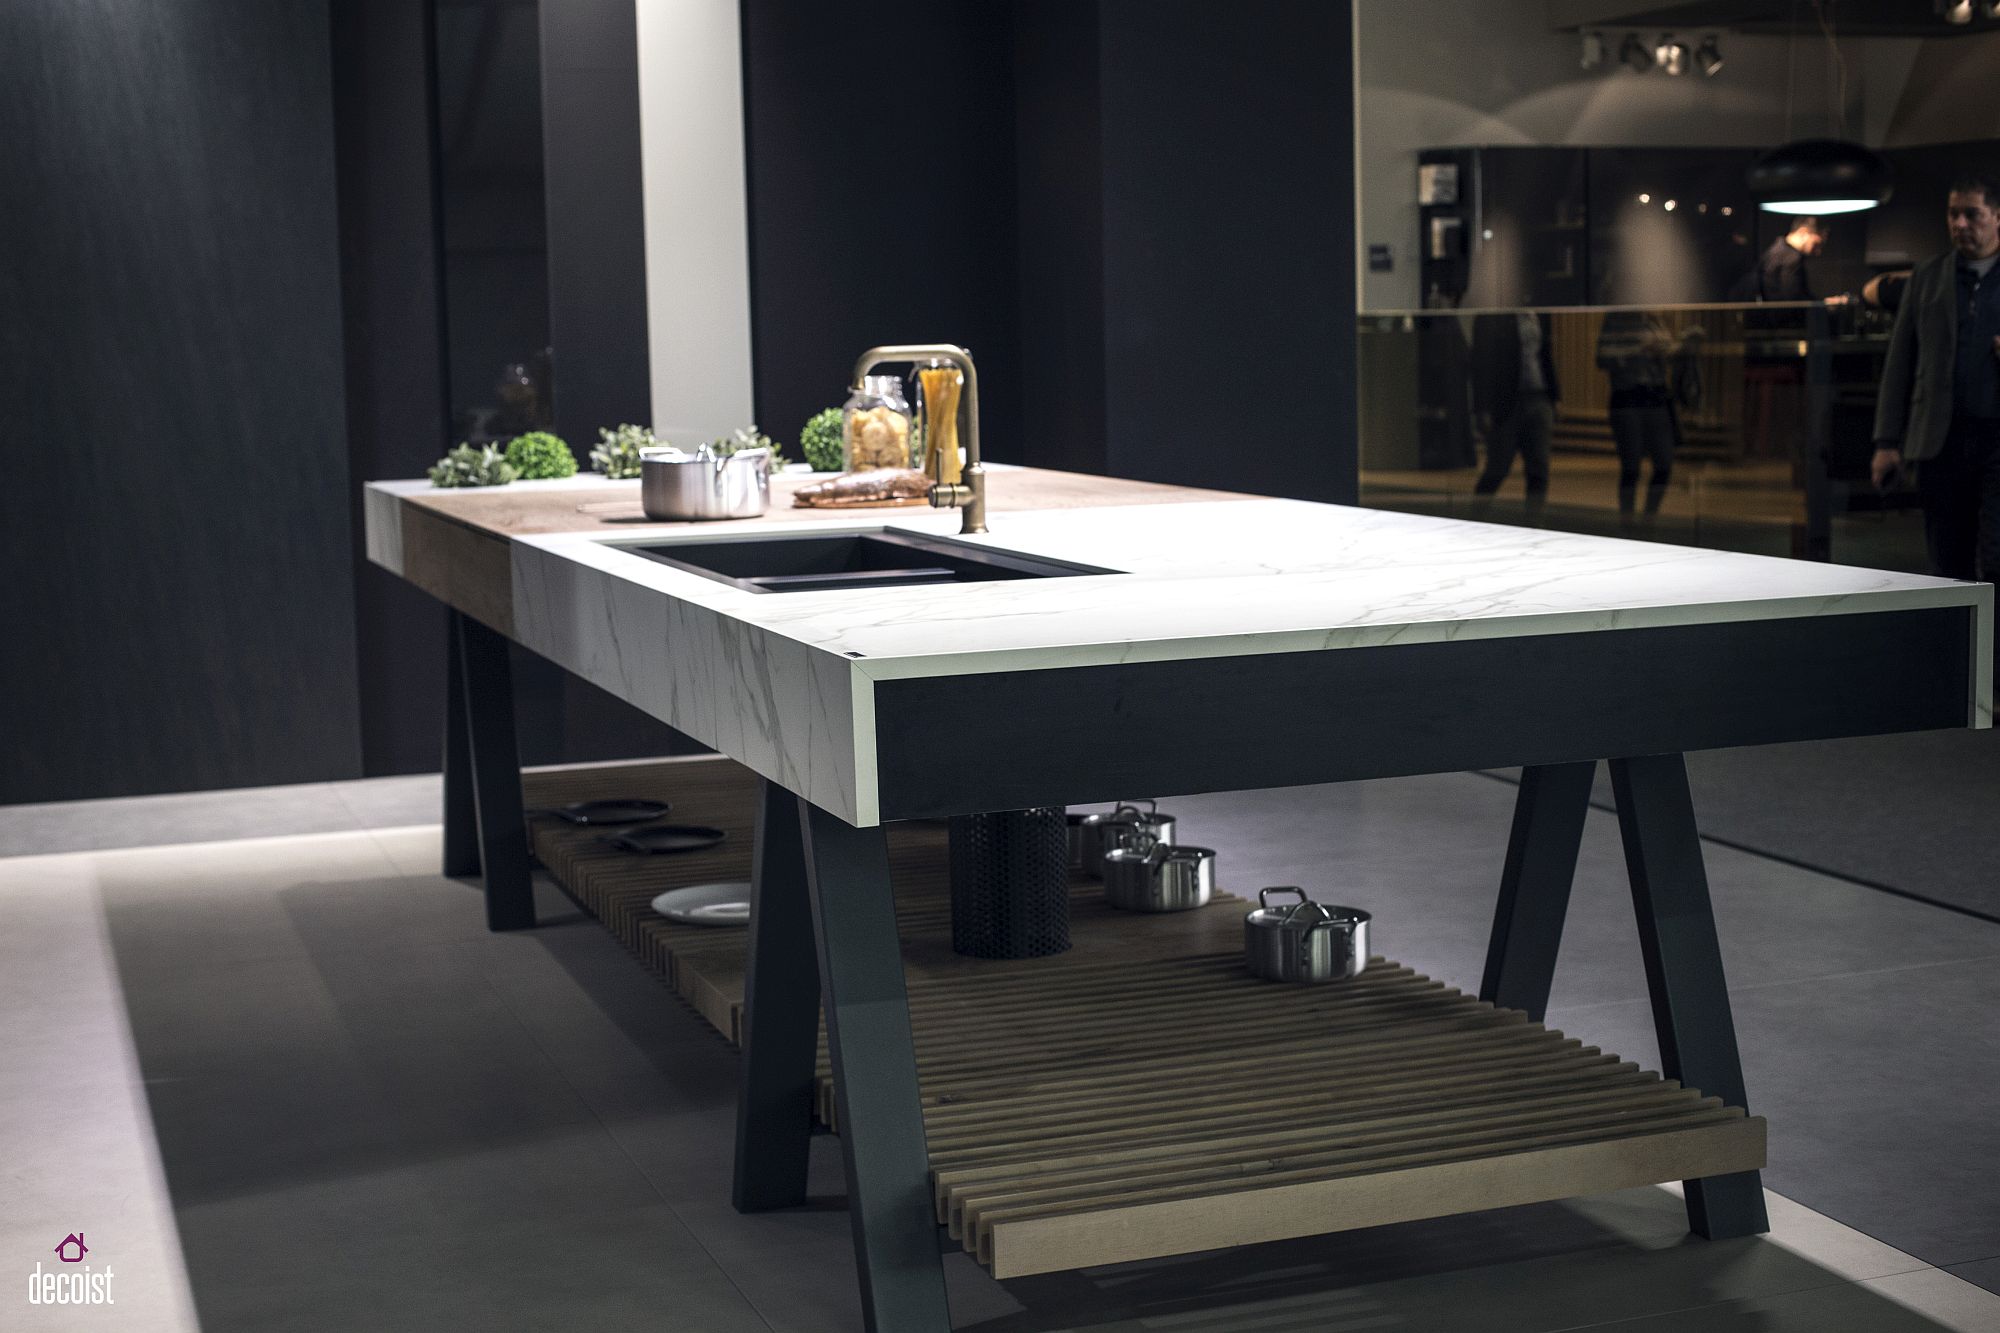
(1230, 643)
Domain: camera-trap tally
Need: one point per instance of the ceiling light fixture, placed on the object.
(1820, 176)
(1708, 56)
(1814, 177)
(1635, 53)
(1956, 11)
(1672, 56)
(1593, 50)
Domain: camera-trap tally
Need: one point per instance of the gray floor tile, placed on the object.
(1822, 803)
(1880, 1091)
(1926, 1301)
(619, 1268)
(184, 817)
(393, 802)
(1983, 1273)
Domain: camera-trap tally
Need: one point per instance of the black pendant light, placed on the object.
(1817, 177)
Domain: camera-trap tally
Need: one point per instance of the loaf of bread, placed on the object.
(877, 486)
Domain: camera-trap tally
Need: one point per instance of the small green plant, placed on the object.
(820, 440)
(748, 437)
(539, 454)
(617, 452)
(467, 466)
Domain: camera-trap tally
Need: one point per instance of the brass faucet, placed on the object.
(970, 494)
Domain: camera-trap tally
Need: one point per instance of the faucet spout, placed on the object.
(968, 496)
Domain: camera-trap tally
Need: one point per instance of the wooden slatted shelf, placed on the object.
(1142, 1095)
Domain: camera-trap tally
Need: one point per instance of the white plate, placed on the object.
(706, 905)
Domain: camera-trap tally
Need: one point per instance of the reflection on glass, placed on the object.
(1725, 426)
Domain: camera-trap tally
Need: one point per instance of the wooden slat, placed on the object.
(1142, 1094)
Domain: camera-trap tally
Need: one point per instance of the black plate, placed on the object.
(608, 812)
(667, 838)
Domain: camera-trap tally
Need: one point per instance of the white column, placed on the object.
(697, 221)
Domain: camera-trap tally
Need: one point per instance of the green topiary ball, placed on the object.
(539, 454)
(820, 441)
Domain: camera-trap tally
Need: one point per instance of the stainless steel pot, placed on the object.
(1092, 836)
(676, 486)
(1306, 941)
(1159, 878)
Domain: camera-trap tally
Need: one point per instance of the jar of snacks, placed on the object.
(876, 426)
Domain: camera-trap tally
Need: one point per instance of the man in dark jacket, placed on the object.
(1940, 401)
(1781, 274)
(1514, 393)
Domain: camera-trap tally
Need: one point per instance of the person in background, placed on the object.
(1940, 401)
(1781, 274)
(1514, 393)
(1632, 351)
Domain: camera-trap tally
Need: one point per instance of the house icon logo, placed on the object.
(70, 1286)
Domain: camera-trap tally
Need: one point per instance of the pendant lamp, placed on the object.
(1819, 177)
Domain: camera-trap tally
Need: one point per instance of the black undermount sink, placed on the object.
(854, 560)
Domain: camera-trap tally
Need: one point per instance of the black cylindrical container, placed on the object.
(1010, 883)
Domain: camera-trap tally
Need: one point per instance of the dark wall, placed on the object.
(881, 180)
(178, 598)
(1137, 215)
(1060, 169)
(1228, 138)
(596, 216)
(398, 414)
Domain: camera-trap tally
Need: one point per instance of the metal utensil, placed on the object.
(1307, 941)
(704, 485)
(1159, 877)
(1094, 835)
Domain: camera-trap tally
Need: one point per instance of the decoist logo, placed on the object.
(70, 1286)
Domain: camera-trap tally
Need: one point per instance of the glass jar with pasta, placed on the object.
(876, 426)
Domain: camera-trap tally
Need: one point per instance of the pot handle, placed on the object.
(1264, 895)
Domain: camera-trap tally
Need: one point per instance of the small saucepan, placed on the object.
(1159, 878)
(1093, 835)
(1306, 941)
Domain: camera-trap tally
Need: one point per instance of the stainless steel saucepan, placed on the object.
(676, 486)
(1159, 878)
(1094, 835)
(1307, 941)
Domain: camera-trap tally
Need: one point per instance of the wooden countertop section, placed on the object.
(597, 505)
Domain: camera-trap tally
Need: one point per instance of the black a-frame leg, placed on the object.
(881, 1121)
(486, 690)
(1684, 969)
(774, 1104)
(1535, 885)
(461, 815)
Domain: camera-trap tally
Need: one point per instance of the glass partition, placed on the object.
(1738, 427)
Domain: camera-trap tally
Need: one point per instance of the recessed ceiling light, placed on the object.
(1672, 56)
(1645, 198)
(1708, 56)
(1669, 205)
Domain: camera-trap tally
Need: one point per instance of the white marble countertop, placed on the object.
(784, 682)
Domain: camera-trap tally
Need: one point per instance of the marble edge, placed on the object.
(1982, 658)
(1977, 596)
(787, 709)
(382, 527)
